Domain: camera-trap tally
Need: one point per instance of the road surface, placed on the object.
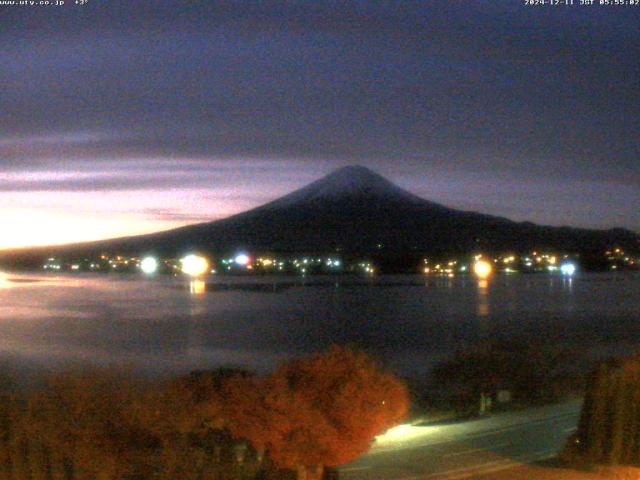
(464, 450)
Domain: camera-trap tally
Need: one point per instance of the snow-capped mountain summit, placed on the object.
(347, 182)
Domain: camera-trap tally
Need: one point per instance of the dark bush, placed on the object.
(532, 373)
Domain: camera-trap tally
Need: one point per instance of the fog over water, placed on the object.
(166, 325)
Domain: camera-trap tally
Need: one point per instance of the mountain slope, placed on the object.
(354, 210)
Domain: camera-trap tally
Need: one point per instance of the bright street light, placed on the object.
(149, 265)
(194, 265)
(568, 269)
(241, 259)
(482, 269)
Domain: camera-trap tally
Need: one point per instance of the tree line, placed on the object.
(310, 413)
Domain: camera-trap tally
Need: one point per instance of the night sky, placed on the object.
(123, 117)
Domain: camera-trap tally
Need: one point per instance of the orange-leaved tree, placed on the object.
(323, 410)
(78, 424)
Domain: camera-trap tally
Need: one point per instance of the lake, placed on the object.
(167, 324)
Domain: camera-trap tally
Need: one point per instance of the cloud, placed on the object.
(249, 102)
(231, 179)
(175, 215)
(358, 82)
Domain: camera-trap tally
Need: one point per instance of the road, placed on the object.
(464, 450)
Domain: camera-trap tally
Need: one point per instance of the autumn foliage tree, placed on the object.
(323, 410)
(183, 416)
(78, 426)
(223, 425)
(102, 425)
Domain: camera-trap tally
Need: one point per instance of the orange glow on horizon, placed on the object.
(32, 228)
(43, 218)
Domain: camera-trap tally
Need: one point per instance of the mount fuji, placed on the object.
(356, 211)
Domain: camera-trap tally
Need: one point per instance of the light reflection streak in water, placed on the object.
(197, 287)
(483, 298)
(21, 280)
(567, 284)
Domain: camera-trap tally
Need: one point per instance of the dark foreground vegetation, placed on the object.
(609, 427)
(499, 375)
(319, 411)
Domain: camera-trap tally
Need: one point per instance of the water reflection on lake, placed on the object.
(483, 298)
(197, 287)
(170, 324)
